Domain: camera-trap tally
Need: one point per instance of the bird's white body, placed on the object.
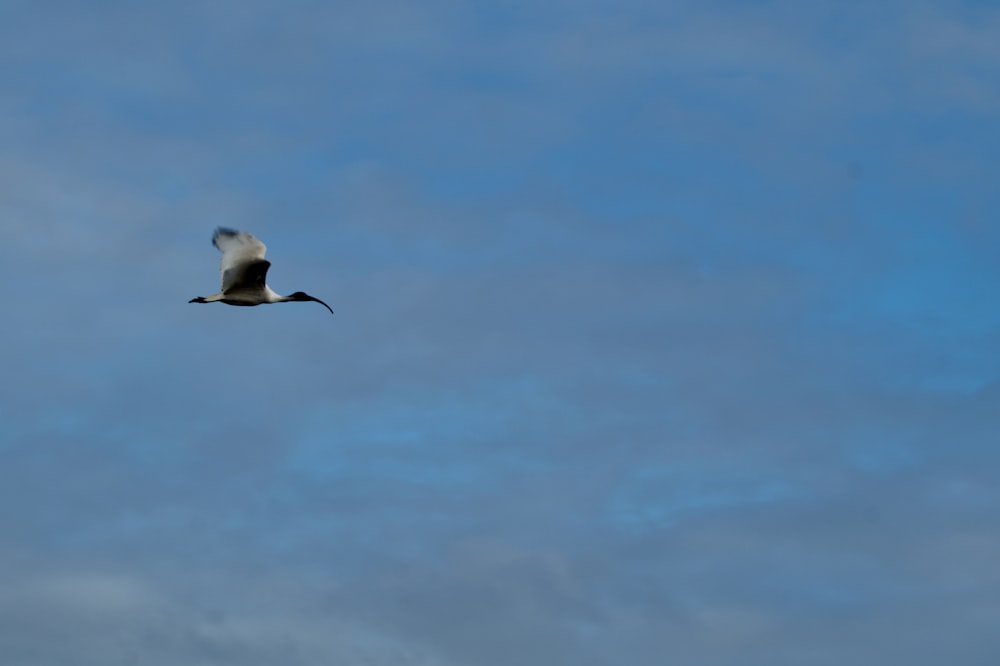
(244, 272)
(247, 297)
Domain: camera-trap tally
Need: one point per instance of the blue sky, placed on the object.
(665, 333)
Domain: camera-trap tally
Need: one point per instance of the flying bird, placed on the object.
(244, 270)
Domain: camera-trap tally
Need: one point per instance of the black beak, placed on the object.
(313, 298)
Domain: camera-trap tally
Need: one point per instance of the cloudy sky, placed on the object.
(666, 333)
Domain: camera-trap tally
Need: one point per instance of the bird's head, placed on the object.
(303, 296)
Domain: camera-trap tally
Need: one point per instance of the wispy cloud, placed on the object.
(663, 331)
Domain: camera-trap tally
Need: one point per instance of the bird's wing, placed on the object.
(250, 276)
(243, 263)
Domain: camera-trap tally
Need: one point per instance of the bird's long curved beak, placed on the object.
(313, 298)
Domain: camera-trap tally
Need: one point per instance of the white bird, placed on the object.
(244, 270)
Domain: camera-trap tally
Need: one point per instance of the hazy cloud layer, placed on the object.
(665, 333)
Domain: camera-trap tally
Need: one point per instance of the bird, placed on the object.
(244, 270)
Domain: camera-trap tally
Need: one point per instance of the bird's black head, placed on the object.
(303, 296)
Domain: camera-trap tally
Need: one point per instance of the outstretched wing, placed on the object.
(250, 277)
(243, 264)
